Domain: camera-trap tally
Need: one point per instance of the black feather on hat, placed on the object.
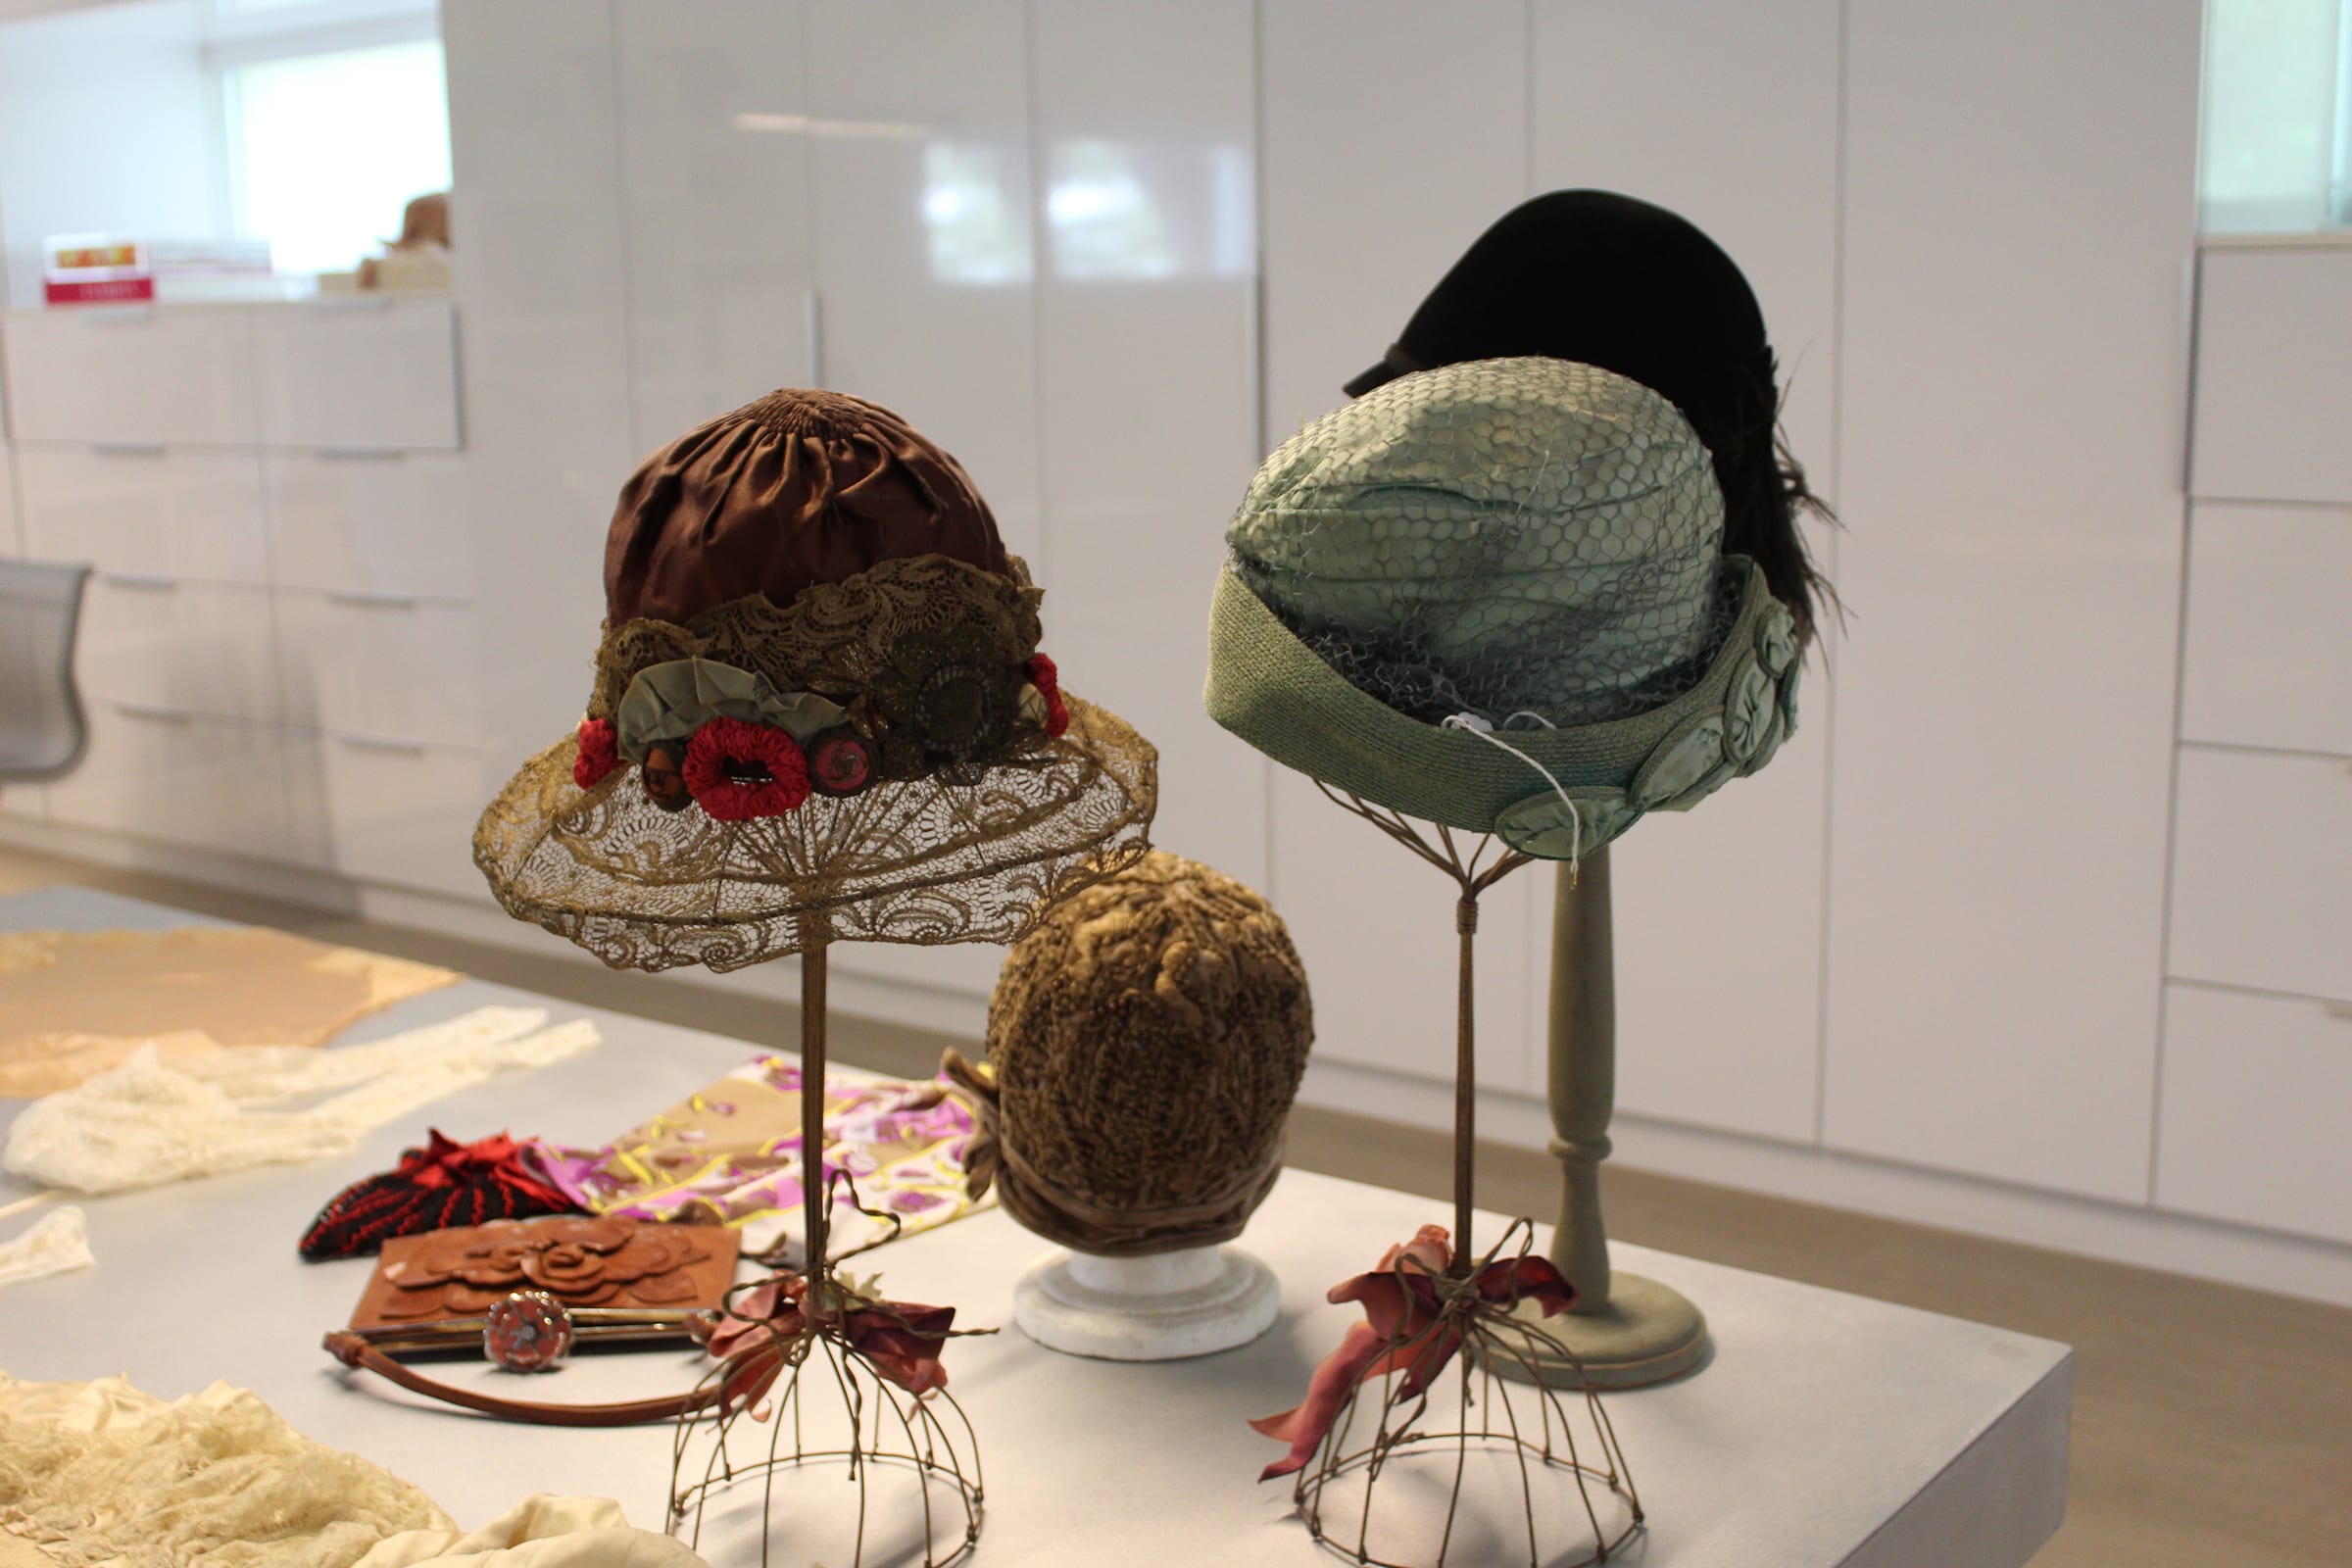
(1607, 280)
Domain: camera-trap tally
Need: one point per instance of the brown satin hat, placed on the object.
(820, 714)
(803, 487)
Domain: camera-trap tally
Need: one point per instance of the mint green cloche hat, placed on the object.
(1492, 596)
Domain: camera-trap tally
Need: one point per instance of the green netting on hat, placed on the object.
(1503, 537)
(1527, 547)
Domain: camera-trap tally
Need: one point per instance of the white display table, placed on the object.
(1827, 1429)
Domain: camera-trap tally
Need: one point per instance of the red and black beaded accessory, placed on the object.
(433, 1187)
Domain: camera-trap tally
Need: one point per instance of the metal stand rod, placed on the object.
(1465, 1081)
(1582, 1040)
(815, 1201)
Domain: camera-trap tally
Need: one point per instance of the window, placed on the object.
(336, 114)
(2277, 130)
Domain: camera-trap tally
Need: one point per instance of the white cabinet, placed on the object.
(2269, 654)
(1370, 190)
(135, 374)
(368, 522)
(2274, 373)
(537, 205)
(163, 773)
(1717, 912)
(371, 374)
(2254, 1095)
(12, 539)
(2019, 221)
(1393, 133)
(157, 642)
(1144, 124)
(924, 240)
(381, 666)
(2261, 871)
(715, 154)
(399, 811)
(170, 512)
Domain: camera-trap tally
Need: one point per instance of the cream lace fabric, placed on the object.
(149, 1121)
(58, 1242)
(540, 1532)
(102, 1475)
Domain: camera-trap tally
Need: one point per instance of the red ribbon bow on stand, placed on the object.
(768, 1330)
(1417, 1316)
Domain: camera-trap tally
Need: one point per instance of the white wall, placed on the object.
(1921, 965)
(70, 83)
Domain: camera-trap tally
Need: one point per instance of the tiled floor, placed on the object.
(2212, 1426)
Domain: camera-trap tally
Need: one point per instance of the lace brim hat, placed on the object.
(1492, 596)
(819, 714)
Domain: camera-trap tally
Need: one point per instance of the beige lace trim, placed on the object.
(971, 854)
(835, 639)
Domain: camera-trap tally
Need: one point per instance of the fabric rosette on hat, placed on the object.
(1493, 596)
(819, 712)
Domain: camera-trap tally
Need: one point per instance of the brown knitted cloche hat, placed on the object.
(1144, 1043)
(819, 712)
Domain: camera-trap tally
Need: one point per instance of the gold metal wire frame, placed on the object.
(928, 1433)
(1490, 1338)
(944, 1454)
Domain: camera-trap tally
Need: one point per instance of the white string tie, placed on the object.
(1483, 728)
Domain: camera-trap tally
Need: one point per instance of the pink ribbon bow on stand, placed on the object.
(1416, 1317)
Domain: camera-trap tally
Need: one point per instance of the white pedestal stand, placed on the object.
(1159, 1308)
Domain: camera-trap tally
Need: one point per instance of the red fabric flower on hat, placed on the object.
(599, 753)
(1046, 678)
(737, 770)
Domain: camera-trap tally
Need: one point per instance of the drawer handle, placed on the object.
(154, 713)
(115, 315)
(359, 601)
(142, 582)
(349, 304)
(129, 449)
(371, 742)
(358, 454)
(2337, 1010)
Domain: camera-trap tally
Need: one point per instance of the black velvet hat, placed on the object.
(1604, 279)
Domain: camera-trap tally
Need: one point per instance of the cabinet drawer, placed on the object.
(366, 374)
(2251, 1128)
(2274, 375)
(131, 374)
(2269, 658)
(2262, 872)
(387, 523)
(164, 772)
(401, 812)
(163, 642)
(172, 511)
(383, 666)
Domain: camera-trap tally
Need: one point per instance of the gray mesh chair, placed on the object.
(42, 730)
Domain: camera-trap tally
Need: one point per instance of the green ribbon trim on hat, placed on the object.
(665, 704)
(1270, 689)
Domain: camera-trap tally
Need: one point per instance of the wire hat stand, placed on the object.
(1388, 1416)
(871, 1424)
(1396, 1483)
(814, 1370)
